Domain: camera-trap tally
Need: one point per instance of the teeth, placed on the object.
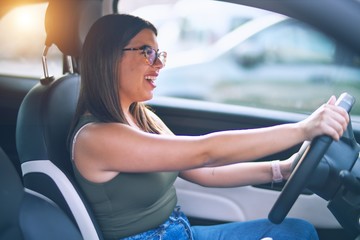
(150, 77)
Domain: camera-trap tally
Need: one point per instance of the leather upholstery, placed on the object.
(45, 116)
(26, 216)
(43, 124)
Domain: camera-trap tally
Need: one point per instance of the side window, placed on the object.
(253, 58)
(292, 42)
(23, 58)
(290, 66)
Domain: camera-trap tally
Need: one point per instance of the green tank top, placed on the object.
(130, 203)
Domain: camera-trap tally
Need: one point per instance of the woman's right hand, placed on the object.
(328, 119)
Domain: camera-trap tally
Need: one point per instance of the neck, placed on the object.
(130, 119)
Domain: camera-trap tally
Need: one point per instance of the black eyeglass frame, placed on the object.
(146, 55)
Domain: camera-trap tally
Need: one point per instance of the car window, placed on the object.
(23, 58)
(247, 56)
(291, 42)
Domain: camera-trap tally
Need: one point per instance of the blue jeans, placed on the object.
(178, 227)
(290, 228)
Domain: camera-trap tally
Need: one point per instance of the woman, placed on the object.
(126, 159)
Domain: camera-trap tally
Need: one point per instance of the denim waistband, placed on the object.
(177, 226)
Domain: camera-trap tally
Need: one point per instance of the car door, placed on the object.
(214, 205)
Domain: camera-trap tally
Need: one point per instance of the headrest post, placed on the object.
(47, 79)
(70, 64)
(44, 62)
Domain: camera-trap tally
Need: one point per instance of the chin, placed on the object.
(147, 97)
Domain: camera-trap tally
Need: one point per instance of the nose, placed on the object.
(160, 60)
(158, 63)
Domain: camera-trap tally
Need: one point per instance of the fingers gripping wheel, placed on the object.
(309, 157)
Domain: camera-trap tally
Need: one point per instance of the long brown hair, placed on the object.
(101, 53)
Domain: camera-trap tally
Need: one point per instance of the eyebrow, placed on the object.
(140, 48)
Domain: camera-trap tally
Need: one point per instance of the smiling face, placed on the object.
(136, 76)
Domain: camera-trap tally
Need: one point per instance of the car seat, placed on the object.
(46, 113)
(27, 216)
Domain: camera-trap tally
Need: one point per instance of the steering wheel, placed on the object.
(308, 158)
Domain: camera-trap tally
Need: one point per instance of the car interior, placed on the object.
(41, 200)
(25, 215)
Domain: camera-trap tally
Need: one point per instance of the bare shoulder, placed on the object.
(100, 132)
(100, 148)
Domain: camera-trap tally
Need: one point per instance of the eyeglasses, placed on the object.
(150, 54)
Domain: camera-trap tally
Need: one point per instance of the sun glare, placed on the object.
(25, 19)
(25, 32)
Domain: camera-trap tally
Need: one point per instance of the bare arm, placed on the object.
(236, 175)
(108, 148)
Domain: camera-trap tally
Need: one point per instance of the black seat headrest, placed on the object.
(68, 21)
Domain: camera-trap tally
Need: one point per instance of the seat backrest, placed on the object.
(11, 195)
(45, 116)
(43, 124)
(25, 216)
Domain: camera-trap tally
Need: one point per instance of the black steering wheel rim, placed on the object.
(307, 162)
(309, 157)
